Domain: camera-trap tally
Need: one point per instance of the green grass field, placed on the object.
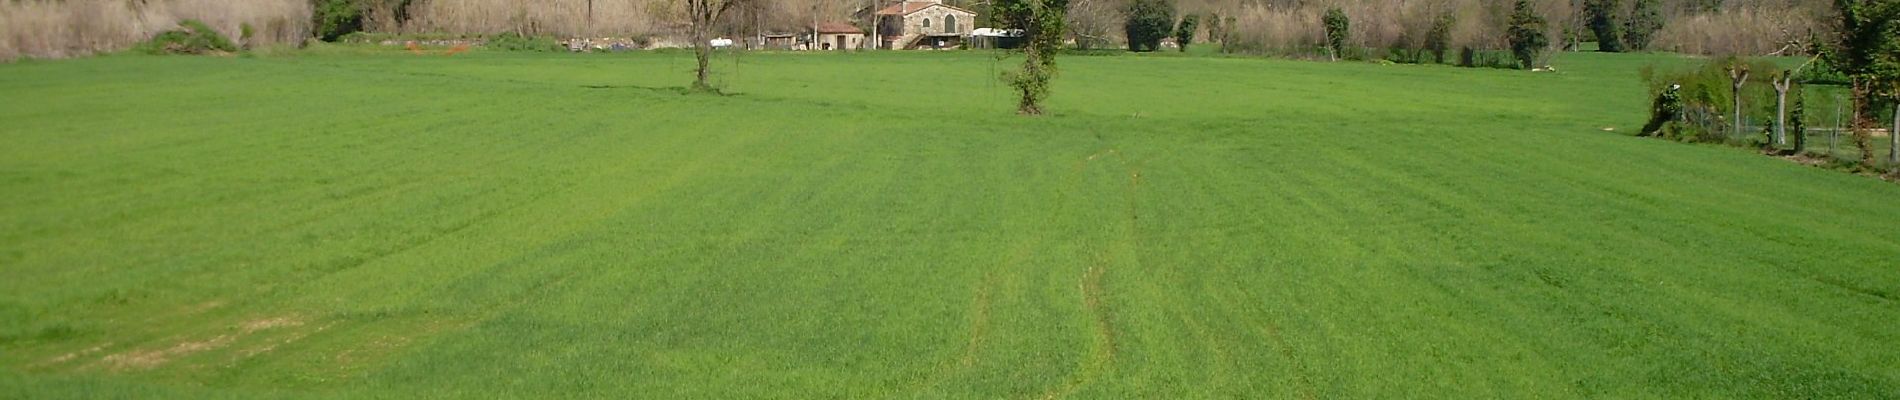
(341, 224)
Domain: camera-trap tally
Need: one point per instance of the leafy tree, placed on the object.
(1338, 31)
(1148, 22)
(1184, 32)
(1602, 15)
(1869, 54)
(1043, 29)
(1438, 39)
(1527, 34)
(1644, 21)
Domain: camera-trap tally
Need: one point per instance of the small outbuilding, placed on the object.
(839, 36)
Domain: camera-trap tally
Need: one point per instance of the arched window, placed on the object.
(926, 22)
(950, 23)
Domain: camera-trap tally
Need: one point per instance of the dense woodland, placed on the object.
(59, 28)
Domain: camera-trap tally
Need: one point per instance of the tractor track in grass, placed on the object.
(1093, 283)
(981, 303)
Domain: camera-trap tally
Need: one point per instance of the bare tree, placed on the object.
(1782, 85)
(702, 16)
(1092, 22)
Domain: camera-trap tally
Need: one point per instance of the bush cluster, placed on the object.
(1707, 99)
(1338, 31)
(1149, 21)
(191, 37)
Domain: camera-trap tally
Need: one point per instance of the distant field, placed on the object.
(881, 225)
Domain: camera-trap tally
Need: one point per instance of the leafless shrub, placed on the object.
(545, 17)
(69, 28)
(1291, 27)
(1743, 31)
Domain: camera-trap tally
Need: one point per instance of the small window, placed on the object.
(926, 22)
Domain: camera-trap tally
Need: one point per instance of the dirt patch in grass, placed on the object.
(63, 358)
(139, 360)
(270, 323)
(151, 358)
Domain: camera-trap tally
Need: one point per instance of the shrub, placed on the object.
(192, 37)
(1527, 35)
(1602, 16)
(1644, 21)
(1438, 39)
(1403, 50)
(1148, 22)
(516, 42)
(245, 33)
(1184, 33)
(331, 19)
(1338, 30)
(1822, 72)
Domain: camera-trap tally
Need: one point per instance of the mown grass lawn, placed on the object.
(881, 225)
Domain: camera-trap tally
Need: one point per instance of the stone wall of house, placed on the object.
(914, 23)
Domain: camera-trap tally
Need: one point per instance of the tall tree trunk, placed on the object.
(1032, 67)
(1781, 110)
(1893, 137)
(1863, 122)
(702, 50)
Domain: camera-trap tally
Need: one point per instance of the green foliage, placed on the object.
(511, 41)
(1526, 35)
(1438, 39)
(1043, 25)
(192, 37)
(1184, 32)
(1707, 97)
(1645, 20)
(1338, 31)
(1666, 109)
(1822, 72)
(1602, 18)
(1869, 47)
(1869, 54)
(331, 19)
(1148, 22)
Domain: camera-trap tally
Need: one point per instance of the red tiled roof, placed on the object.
(908, 7)
(838, 27)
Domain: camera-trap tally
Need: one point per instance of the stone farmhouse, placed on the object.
(927, 24)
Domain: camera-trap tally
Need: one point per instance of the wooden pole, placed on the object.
(1835, 136)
